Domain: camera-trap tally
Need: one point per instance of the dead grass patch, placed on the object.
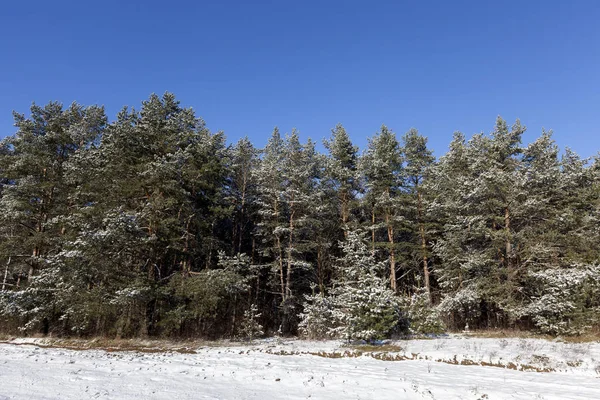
(593, 336)
(112, 345)
(390, 348)
(510, 365)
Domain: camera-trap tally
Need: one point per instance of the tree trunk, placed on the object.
(43, 218)
(242, 210)
(507, 238)
(233, 317)
(320, 268)
(390, 230)
(210, 248)
(373, 232)
(36, 252)
(280, 253)
(280, 261)
(5, 274)
(257, 287)
(143, 332)
(288, 291)
(423, 245)
(344, 210)
(186, 264)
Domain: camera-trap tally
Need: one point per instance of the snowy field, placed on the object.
(449, 368)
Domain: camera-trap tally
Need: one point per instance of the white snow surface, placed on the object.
(224, 370)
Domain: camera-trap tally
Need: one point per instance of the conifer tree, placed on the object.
(418, 159)
(341, 171)
(381, 166)
(479, 245)
(270, 227)
(36, 199)
(359, 305)
(243, 191)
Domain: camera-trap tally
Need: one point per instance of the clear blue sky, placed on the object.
(246, 66)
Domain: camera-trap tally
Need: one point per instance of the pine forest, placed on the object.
(150, 225)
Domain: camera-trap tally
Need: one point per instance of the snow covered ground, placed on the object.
(426, 369)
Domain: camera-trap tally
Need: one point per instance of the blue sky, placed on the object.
(246, 66)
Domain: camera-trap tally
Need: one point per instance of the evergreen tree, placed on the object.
(36, 199)
(450, 182)
(271, 223)
(251, 327)
(242, 191)
(341, 170)
(358, 306)
(480, 244)
(381, 166)
(562, 251)
(418, 160)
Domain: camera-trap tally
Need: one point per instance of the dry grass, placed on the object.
(593, 336)
(114, 345)
(510, 365)
(388, 348)
(396, 355)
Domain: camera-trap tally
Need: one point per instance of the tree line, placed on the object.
(151, 225)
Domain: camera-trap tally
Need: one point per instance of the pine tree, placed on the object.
(251, 327)
(34, 163)
(341, 171)
(562, 254)
(480, 244)
(270, 226)
(418, 160)
(159, 172)
(288, 182)
(450, 182)
(300, 170)
(243, 190)
(36, 200)
(381, 166)
(358, 306)
(363, 308)
(317, 318)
